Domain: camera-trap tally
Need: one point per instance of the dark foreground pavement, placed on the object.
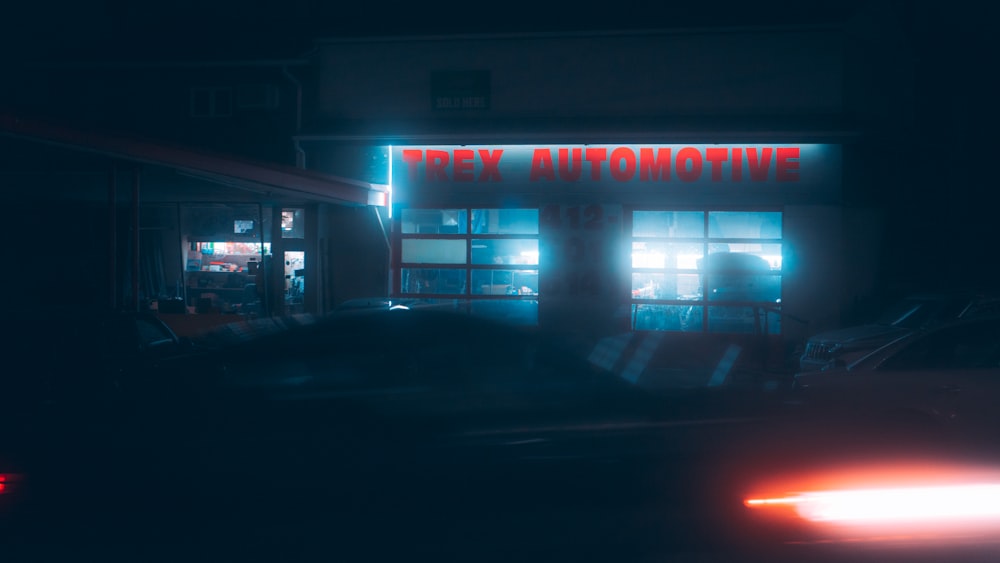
(680, 501)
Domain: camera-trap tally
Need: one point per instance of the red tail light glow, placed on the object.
(893, 505)
(907, 500)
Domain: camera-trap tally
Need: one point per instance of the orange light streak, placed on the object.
(980, 502)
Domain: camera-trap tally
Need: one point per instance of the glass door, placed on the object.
(294, 281)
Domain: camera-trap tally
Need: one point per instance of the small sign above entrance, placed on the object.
(460, 90)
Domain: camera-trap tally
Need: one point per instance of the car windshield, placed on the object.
(964, 346)
(911, 312)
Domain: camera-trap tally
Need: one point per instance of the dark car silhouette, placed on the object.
(343, 398)
(740, 289)
(839, 347)
(67, 390)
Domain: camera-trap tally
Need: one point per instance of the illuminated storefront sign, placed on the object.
(611, 164)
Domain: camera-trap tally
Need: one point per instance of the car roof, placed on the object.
(375, 331)
(255, 329)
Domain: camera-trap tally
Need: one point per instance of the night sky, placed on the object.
(209, 28)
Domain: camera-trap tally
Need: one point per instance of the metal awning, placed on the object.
(220, 169)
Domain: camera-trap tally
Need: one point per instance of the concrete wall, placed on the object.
(733, 72)
(357, 255)
(813, 268)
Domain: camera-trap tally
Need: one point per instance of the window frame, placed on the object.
(702, 304)
(467, 296)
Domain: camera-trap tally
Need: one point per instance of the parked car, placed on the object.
(66, 390)
(416, 401)
(917, 311)
(938, 381)
(401, 363)
(75, 355)
(109, 351)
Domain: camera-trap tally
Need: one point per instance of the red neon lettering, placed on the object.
(541, 165)
(683, 172)
(411, 157)
(651, 166)
(437, 162)
(491, 165)
(759, 166)
(570, 171)
(787, 164)
(462, 169)
(595, 157)
(619, 156)
(737, 165)
(716, 156)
